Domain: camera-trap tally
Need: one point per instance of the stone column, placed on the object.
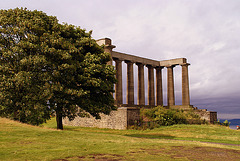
(141, 87)
(151, 93)
(170, 86)
(130, 83)
(118, 85)
(159, 86)
(107, 46)
(185, 85)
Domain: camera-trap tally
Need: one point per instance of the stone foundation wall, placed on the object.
(120, 119)
(209, 116)
(127, 116)
(133, 115)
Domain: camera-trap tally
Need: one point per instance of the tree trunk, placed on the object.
(59, 120)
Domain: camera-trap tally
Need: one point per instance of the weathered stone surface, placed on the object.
(120, 119)
(171, 62)
(170, 86)
(118, 85)
(185, 85)
(159, 89)
(135, 59)
(141, 87)
(209, 116)
(151, 91)
(184, 107)
(130, 83)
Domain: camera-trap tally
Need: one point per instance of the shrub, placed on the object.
(161, 116)
(225, 123)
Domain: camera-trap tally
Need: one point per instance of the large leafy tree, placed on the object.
(49, 67)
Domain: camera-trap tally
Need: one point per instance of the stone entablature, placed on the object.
(134, 59)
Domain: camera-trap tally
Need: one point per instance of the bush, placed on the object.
(225, 123)
(161, 116)
(165, 117)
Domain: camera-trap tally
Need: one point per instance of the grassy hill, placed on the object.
(185, 142)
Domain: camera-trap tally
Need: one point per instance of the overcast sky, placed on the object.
(207, 33)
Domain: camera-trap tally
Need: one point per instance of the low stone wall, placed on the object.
(124, 117)
(119, 119)
(209, 116)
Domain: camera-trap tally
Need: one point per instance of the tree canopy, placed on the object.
(48, 67)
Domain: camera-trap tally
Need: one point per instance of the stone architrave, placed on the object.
(170, 86)
(159, 95)
(118, 85)
(151, 92)
(130, 83)
(141, 87)
(185, 85)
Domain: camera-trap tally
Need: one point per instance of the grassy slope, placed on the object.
(24, 142)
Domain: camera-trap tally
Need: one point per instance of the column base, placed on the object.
(185, 107)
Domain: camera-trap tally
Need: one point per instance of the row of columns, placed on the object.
(151, 91)
(141, 88)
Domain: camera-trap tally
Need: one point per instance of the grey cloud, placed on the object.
(206, 33)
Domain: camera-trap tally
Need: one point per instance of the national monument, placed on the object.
(128, 113)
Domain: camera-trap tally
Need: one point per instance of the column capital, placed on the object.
(117, 59)
(128, 62)
(159, 67)
(149, 66)
(170, 66)
(139, 64)
(185, 64)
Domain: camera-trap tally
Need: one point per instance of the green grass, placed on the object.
(183, 142)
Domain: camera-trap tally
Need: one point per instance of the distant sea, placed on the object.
(233, 123)
(233, 127)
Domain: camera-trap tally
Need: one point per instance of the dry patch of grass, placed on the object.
(192, 153)
(165, 153)
(95, 157)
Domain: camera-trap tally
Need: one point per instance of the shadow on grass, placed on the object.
(162, 136)
(151, 136)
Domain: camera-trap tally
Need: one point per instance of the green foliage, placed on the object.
(49, 67)
(225, 123)
(165, 116)
(161, 116)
